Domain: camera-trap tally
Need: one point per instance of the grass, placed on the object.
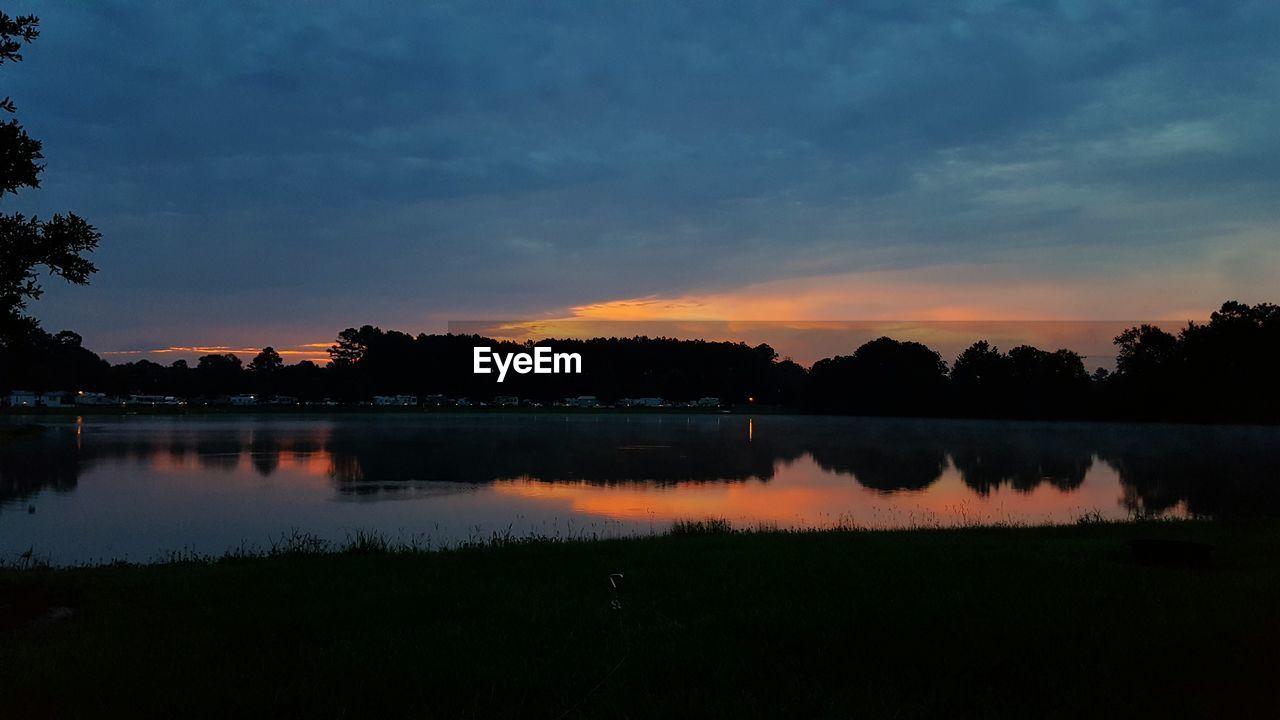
(703, 622)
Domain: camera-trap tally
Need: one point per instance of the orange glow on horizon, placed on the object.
(315, 352)
(900, 302)
(931, 294)
(945, 308)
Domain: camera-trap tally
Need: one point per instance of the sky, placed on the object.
(270, 173)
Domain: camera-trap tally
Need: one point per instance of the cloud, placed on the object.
(294, 168)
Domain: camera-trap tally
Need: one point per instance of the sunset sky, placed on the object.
(275, 172)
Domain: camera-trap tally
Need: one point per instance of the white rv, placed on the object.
(395, 400)
(22, 398)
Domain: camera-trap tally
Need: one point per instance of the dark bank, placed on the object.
(1155, 619)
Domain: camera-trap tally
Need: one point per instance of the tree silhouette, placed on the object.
(882, 377)
(28, 243)
(1048, 384)
(1219, 371)
(266, 362)
(1146, 350)
(353, 344)
(981, 378)
(264, 372)
(219, 374)
(1148, 362)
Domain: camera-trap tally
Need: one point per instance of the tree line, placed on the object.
(1219, 371)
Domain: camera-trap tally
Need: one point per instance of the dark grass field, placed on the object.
(1101, 620)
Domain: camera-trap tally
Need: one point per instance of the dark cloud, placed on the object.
(309, 165)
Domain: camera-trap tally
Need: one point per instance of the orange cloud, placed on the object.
(946, 308)
(298, 353)
(952, 293)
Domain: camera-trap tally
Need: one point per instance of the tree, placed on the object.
(981, 378)
(265, 370)
(218, 374)
(353, 345)
(28, 243)
(44, 362)
(1047, 384)
(1146, 351)
(882, 377)
(266, 362)
(1232, 360)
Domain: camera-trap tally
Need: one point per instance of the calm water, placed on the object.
(139, 487)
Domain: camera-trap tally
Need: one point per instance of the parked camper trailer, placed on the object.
(22, 398)
(395, 400)
(85, 397)
(154, 400)
(56, 399)
(652, 402)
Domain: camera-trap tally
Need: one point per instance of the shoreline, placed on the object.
(735, 411)
(361, 541)
(98, 410)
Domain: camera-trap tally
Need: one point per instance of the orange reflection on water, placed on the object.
(318, 463)
(314, 468)
(801, 493)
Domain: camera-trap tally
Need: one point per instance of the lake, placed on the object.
(138, 488)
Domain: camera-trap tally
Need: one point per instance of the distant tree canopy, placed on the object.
(58, 244)
(50, 362)
(1220, 371)
(1225, 369)
(370, 361)
(266, 362)
(883, 377)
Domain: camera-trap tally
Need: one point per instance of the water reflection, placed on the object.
(1213, 471)
(659, 467)
(1023, 460)
(887, 457)
(26, 468)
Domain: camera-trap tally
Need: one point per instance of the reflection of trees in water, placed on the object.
(600, 453)
(886, 469)
(56, 458)
(1225, 472)
(893, 455)
(888, 456)
(29, 465)
(1022, 456)
(1214, 471)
